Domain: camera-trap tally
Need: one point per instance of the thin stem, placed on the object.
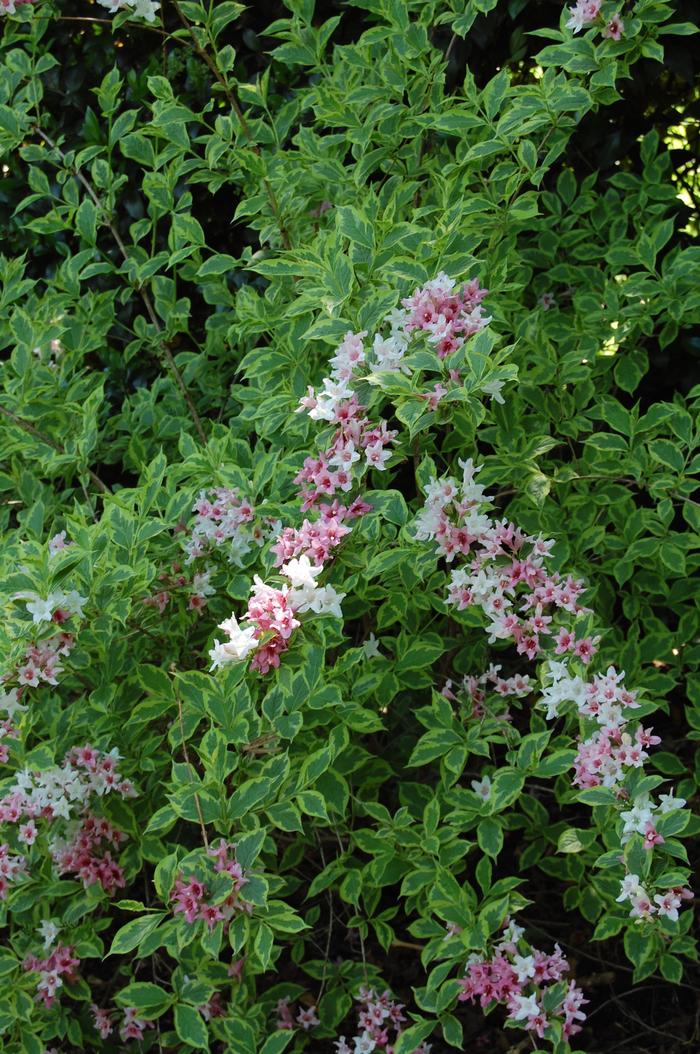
(237, 109)
(448, 53)
(147, 302)
(26, 426)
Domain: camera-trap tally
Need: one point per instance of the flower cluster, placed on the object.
(190, 895)
(615, 746)
(57, 607)
(198, 589)
(141, 8)
(586, 13)
(9, 703)
(305, 1018)
(334, 470)
(522, 978)
(64, 789)
(223, 520)
(82, 852)
(505, 567)
(379, 1021)
(317, 539)
(11, 868)
(665, 904)
(477, 688)
(448, 315)
(41, 661)
(272, 615)
(131, 1027)
(60, 965)
(538, 610)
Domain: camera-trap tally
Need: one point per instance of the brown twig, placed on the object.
(235, 105)
(31, 430)
(407, 944)
(147, 302)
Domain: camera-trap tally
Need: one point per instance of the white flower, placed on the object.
(201, 584)
(60, 807)
(301, 572)
(669, 904)
(9, 701)
(513, 932)
(667, 803)
(493, 389)
(74, 602)
(636, 818)
(237, 648)
(145, 8)
(42, 610)
(482, 787)
(364, 1044)
(370, 648)
(57, 543)
(629, 887)
(48, 931)
(527, 1007)
(238, 548)
(524, 966)
(327, 602)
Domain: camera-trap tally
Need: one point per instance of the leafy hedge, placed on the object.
(349, 557)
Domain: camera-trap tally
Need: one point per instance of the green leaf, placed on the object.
(277, 1042)
(150, 1000)
(505, 789)
(667, 453)
(413, 1036)
(312, 804)
(131, 935)
(248, 795)
(671, 968)
(190, 1027)
(248, 848)
(86, 221)
(354, 225)
(419, 653)
(630, 369)
(489, 835)
(217, 265)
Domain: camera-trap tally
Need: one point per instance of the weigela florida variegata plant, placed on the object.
(72, 842)
(504, 573)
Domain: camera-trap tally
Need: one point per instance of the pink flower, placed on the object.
(307, 1018)
(28, 833)
(614, 28)
(132, 1026)
(652, 836)
(582, 14)
(102, 1021)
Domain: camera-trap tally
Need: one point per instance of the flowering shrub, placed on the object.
(347, 568)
